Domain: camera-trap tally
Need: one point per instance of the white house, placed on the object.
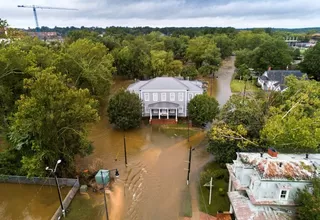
(275, 79)
(262, 186)
(166, 97)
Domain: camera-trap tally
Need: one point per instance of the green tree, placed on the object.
(225, 44)
(310, 63)
(244, 56)
(202, 109)
(204, 53)
(174, 68)
(248, 112)
(125, 110)
(134, 59)
(159, 62)
(249, 40)
(295, 124)
(14, 67)
(51, 123)
(89, 65)
(178, 45)
(224, 141)
(189, 71)
(309, 202)
(273, 53)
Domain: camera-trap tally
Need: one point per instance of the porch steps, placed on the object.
(163, 121)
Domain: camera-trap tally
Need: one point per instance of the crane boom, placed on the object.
(45, 7)
(34, 8)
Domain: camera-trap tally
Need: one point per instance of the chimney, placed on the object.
(272, 152)
(269, 68)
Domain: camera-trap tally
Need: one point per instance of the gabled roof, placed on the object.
(279, 75)
(166, 83)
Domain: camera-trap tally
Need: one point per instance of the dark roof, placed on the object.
(279, 75)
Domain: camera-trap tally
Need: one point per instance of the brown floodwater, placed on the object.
(150, 187)
(29, 202)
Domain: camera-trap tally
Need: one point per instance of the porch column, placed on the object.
(159, 113)
(167, 113)
(176, 114)
(150, 114)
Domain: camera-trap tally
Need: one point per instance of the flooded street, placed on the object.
(225, 73)
(151, 186)
(28, 202)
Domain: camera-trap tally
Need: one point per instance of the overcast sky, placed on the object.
(165, 13)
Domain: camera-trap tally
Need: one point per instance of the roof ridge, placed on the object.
(147, 83)
(181, 82)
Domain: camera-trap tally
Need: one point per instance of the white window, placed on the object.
(283, 194)
(163, 96)
(180, 96)
(190, 96)
(155, 97)
(172, 96)
(146, 97)
(180, 109)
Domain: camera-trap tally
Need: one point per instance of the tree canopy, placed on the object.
(202, 109)
(125, 110)
(50, 123)
(295, 124)
(308, 202)
(310, 64)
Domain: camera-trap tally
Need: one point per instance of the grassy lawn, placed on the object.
(238, 86)
(218, 202)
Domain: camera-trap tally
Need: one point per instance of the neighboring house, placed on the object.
(275, 79)
(263, 186)
(165, 97)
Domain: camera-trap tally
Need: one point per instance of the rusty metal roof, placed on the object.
(281, 167)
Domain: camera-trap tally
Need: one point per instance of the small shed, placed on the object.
(103, 177)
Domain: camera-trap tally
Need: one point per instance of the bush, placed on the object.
(205, 176)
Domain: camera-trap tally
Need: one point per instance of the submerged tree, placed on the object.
(125, 110)
(202, 109)
(51, 122)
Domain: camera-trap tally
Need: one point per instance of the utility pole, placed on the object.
(211, 84)
(189, 165)
(58, 188)
(188, 128)
(210, 191)
(104, 196)
(125, 149)
(244, 91)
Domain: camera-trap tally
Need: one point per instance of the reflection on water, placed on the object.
(29, 202)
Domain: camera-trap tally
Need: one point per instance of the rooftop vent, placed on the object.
(280, 164)
(307, 156)
(261, 154)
